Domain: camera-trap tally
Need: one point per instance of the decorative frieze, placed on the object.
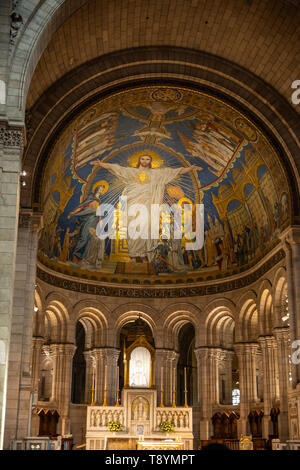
(16, 22)
(155, 292)
(11, 136)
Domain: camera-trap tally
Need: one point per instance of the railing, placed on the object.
(100, 416)
(181, 417)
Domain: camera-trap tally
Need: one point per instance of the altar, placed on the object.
(140, 418)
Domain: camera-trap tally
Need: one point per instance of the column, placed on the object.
(37, 344)
(161, 358)
(88, 376)
(246, 354)
(99, 357)
(171, 363)
(67, 351)
(19, 380)
(268, 347)
(54, 353)
(10, 157)
(291, 245)
(227, 359)
(282, 337)
(208, 386)
(111, 356)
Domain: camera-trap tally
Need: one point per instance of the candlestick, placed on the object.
(174, 399)
(161, 399)
(105, 377)
(174, 379)
(185, 399)
(93, 387)
(104, 400)
(92, 400)
(117, 402)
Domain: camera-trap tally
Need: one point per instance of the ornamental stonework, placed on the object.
(11, 137)
(142, 292)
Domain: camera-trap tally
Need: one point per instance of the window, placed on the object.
(235, 396)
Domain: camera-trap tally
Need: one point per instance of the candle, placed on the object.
(161, 378)
(105, 377)
(117, 377)
(185, 378)
(174, 380)
(93, 385)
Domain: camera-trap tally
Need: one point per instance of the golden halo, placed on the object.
(185, 199)
(156, 158)
(175, 192)
(101, 183)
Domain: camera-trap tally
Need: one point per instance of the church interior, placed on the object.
(119, 343)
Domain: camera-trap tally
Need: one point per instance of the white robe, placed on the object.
(143, 186)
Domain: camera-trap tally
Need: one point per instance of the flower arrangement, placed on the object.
(167, 426)
(115, 426)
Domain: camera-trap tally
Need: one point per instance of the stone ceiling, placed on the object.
(260, 35)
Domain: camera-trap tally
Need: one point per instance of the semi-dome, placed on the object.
(236, 174)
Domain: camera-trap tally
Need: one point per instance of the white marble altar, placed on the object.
(139, 416)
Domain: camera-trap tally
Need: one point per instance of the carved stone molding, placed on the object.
(11, 136)
(29, 219)
(103, 289)
(16, 22)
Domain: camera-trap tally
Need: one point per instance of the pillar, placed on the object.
(37, 344)
(19, 380)
(66, 384)
(282, 337)
(227, 359)
(88, 376)
(208, 386)
(171, 358)
(291, 245)
(54, 353)
(99, 358)
(268, 347)
(11, 147)
(111, 356)
(161, 357)
(246, 354)
(62, 355)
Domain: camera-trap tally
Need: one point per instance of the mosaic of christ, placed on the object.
(161, 146)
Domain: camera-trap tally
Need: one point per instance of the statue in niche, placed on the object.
(140, 409)
(140, 367)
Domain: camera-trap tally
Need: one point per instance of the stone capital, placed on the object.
(37, 342)
(246, 348)
(69, 349)
(290, 237)
(110, 353)
(11, 136)
(201, 353)
(172, 355)
(31, 220)
(282, 333)
(267, 341)
(161, 354)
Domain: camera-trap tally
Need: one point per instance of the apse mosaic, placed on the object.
(228, 164)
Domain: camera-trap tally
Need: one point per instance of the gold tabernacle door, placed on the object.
(168, 444)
